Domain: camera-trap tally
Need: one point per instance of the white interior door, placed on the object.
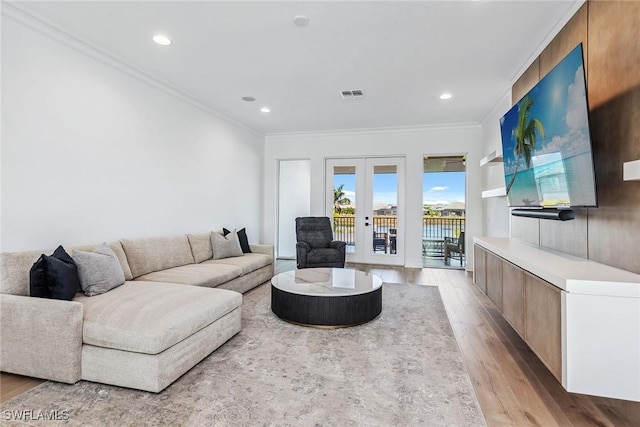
(365, 198)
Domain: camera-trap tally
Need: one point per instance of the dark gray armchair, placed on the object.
(316, 247)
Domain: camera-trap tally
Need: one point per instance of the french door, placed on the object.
(365, 199)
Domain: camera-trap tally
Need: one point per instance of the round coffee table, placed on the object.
(326, 297)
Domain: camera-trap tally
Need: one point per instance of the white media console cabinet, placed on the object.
(581, 318)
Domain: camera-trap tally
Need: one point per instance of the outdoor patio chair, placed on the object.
(393, 236)
(379, 242)
(453, 245)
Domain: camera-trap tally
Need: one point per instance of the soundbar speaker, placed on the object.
(555, 214)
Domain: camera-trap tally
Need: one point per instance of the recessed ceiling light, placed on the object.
(248, 98)
(265, 110)
(300, 21)
(445, 95)
(162, 40)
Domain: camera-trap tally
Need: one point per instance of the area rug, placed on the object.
(402, 369)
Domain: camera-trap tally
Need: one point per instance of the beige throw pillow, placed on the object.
(200, 246)
(225, 246)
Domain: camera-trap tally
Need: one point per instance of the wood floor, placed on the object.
(513, 387)
(12, 385)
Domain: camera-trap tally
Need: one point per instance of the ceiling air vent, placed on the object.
(351, 94)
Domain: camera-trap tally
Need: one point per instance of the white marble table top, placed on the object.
(327, 282)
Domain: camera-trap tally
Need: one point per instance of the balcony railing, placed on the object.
(439, 227)
(434, 228)
(344, 228)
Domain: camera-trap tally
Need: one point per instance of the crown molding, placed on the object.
(368, 131)
(28, 18)
(496, 108)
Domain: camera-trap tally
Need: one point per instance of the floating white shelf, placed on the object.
(631, 171)
(494, 192)
(492, 158)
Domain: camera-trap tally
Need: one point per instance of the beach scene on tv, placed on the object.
(546, 144)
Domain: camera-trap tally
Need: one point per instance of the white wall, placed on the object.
(411, 143)
(497, 218)
(294, 200)
(91, 153)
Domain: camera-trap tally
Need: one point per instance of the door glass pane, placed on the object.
(344, 205)
(385, 209)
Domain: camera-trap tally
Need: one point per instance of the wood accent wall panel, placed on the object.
(573, 33)
(614, 36)
(527, 80)
(567, 236)
(513, 296)
(542, 322)
(614, 96)
(494, 279)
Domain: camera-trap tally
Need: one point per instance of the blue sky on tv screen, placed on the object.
(559, 102)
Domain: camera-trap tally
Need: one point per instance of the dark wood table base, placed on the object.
(326, 311)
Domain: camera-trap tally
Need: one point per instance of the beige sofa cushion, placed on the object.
(200, 246)
(248, 262)
(122, 257)
(147, 317)
(157, 253)
(209, 275)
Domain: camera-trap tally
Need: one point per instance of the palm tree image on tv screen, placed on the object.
(525, 136)
(546, 143)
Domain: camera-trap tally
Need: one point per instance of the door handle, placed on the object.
(366, 223)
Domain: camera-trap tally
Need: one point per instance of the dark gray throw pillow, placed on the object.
(99, 271)
(242, 238)
(54, 276)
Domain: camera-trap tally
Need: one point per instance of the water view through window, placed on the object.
(443, 211)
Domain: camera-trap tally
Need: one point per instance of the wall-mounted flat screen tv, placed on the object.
(546, 143)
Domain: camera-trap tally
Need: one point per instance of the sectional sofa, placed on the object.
(176, 306)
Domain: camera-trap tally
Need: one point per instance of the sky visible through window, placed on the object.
(438, 187)
(442, 187)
